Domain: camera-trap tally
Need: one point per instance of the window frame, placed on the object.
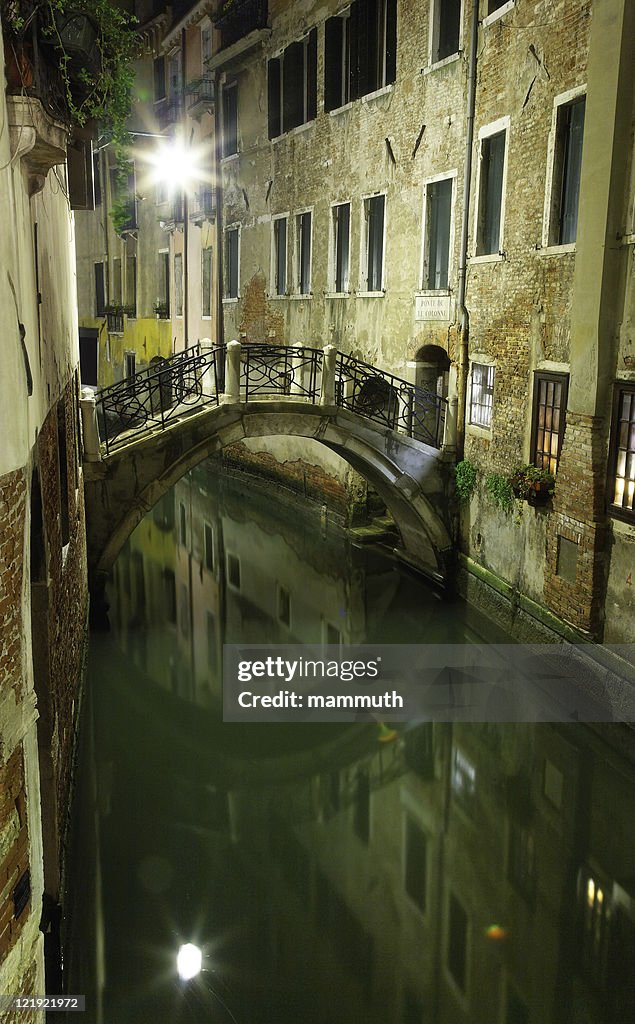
(425, 247)
(207, 252)
(494, 15)
(492, 388)
(333, 249)
(620, 388)
(434, 23)
(229, 89)
(302, 288)
(228, 293)
(553, 204)
(179, 300)
(276, 91)
(557, 378)
(486, 133)
(104, 288)
(365, 255)
(279, 290)
(411, 822)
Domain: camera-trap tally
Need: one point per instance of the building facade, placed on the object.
(43, 586)
(445, 190)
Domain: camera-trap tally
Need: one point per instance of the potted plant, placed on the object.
(535, 486)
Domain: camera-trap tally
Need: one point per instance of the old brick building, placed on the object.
(43, 592)
(446, 191)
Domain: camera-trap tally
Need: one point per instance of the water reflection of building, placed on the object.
(466, 873)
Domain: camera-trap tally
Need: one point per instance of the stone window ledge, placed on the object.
(36, 138)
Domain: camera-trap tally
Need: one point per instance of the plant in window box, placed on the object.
(533, 485)
(161, 310)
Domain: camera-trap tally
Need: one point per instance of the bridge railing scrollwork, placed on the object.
(208, 375)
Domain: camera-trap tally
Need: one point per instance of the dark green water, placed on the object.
(458, 873)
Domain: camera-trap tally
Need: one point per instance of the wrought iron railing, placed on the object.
(205, 205)
(200, 93)
(389, 400)
(171, 112)
(114, 318)
(268, 371)
(192, 380)
(237, 18)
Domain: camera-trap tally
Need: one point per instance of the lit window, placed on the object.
(280, 255)
(446, 23)
(482, 394)
(622, 453)
(303, 253)
(437, 240)
(567, 164)
(595, 914)
(373, 268)
(491, 180)
(550, 407)
(463, 780)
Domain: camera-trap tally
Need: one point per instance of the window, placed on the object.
(162, 307)
(284, 606)
(232, 257)
(494, 5)
(175, 74)
(482, 394)
(184, 610)
(100, 290)
(292, 86)
(521, 860)
(446, 24)
(212, 646)
(337, 73)
(178, 284)
(622, 453)
(97, 179)
(463, 781)
(341, 246)
(361, 807)
(233, 571)
(360, 51)
(116, 282)
(230, 119)
(169, 595)
(280, 255)
(206, 282)
(415, 866)
(565, 176)
(303, 252)
(457, 943)
(373, 265)
(437, 238)
(208, 544)
(549, 412)
(491, 189)
(131, 285)
(159, 78)
(130, 364)
(182, 524)
(206, 44)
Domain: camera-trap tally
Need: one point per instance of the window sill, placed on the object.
(293, 131)
(478, 431)
(491, 18)
(298, 296)
(337, 295)
(230, 300)
(557, 250)
(341, 110)
(371, 295)
(229, 159)
(623, 522)
(491, 257)
(429, 68)
(378, 93)
(276, 295)
(206, 316)
(628, 239)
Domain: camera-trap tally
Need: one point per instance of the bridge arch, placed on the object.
(414, 480)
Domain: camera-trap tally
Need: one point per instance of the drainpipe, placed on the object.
(464, 327)
(220, 325)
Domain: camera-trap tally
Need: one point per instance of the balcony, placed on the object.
(200, 96)
(114, 317)
(237, 18)
(174, 215)
(171, 113)
(204, 206)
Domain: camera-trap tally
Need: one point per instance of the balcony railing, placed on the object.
(114, 318)
(204, 206)
(200, 96)
(174, 214)
(237, 18)
(171, 112)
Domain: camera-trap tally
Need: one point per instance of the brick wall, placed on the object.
(14, 848)
(12, 511)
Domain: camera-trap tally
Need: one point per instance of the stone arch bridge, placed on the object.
(143, 434)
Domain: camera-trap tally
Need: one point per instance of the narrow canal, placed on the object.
(456, 873)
